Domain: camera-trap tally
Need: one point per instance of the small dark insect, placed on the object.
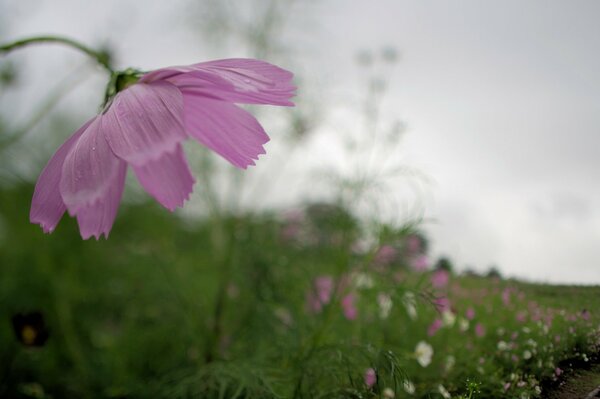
(30, 328)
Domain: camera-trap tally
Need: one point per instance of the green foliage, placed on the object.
(220, 308)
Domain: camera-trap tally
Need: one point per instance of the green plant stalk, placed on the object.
(101, 57)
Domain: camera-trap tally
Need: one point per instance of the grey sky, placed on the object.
(502, 102)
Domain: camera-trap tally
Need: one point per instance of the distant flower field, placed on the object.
(302, 304)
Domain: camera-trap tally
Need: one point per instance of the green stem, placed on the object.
(100, 56)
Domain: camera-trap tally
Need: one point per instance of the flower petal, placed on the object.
(144, 121)
(97, 219)
(47, 206)
(90, 170)
(224, 128)
(168, 179)
(237, 80)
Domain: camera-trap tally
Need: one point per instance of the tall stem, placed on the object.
(100, 56)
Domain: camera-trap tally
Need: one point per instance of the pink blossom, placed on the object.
(350, 311)
(434, 327)
(420, 263)
(479, 330)
(506, 296)
(144, 126)
(585, 314)
(470, 313)
(321, 293)
(385, 255)
(370, 377)
(413, 244)
(558, 371)
(439, 278)
(442, 303)
(521, 316)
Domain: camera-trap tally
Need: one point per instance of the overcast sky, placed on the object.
(501, 100)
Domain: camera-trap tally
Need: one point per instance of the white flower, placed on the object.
(448, 318)
(388, 393)
(532, 343)
(408, 386)
(444, 392)
(526, 330)
(410, 304)
(424, 353)
(385, 305)
(526, 355)
(362, 280)
(450, 362)
(463, 324)
(500, 331)
(502, 346)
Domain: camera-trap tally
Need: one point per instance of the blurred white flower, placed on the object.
(410, 304)
(444, 392)
(388, 393)
(448, 318)
(424, 353)
(526, 355)
(362, 280)
(502, 346)
(409, 387)
(463, 324)
(385, 305)
(526, 330)
(450, 362)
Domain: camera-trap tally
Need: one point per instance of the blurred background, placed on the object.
(456, 136)
(495, 105)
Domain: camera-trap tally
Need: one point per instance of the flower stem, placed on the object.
(102, 57)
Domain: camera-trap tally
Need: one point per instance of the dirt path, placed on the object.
(579, 385)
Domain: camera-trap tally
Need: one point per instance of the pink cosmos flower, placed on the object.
(385, 255)
(370, 377)
(144, 126)
(439, 278)
(321, 293)
(470, 313)
(434, 327)
(349, 307)
(479, 330)
(420, 263)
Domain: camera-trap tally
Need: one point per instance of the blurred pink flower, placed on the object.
(479, 330)
(420, 263)
(442, 303)
(370, 377)
(350, 311)
(506, 296)
(521, 316)
(506, 386)
(434, 327)
(558, 371)
(585, 314)
(144, 126)
(470, 313)
(385, 255)
(439, 278)
(413, 245)
(320, 294)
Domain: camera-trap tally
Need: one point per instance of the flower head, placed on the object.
(424, 353)
(370, 377)
(144, 125)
